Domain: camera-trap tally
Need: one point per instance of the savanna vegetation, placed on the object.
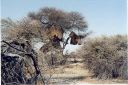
(104, 57)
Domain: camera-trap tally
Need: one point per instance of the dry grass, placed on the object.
(106, 57)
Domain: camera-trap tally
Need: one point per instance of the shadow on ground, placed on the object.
(66, 80)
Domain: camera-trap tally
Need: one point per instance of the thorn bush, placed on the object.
(106, 57)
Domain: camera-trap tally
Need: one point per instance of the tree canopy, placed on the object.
(52, 16)
(35, 22)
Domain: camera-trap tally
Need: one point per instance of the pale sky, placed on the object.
(104, 17)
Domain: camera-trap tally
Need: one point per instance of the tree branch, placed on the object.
(12, 46)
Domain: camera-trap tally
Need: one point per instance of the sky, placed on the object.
(104, 17)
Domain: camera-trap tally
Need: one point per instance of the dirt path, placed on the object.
(68, 74)
(76, 74)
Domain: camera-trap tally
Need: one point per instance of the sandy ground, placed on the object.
(77, 74)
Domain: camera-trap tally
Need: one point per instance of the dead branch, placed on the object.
(12, 46)
(32, 56)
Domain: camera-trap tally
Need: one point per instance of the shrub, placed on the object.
(106, 57)
(52, 55)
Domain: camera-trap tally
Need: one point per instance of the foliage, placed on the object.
(36, 24)
(106, 57)
(19, 34)
(52, 55)
(25, 29)
(52, 16)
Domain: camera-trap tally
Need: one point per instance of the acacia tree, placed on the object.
(36, 22)
(44, 19)
(66, 20)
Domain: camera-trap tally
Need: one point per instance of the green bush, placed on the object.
(106, 57)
